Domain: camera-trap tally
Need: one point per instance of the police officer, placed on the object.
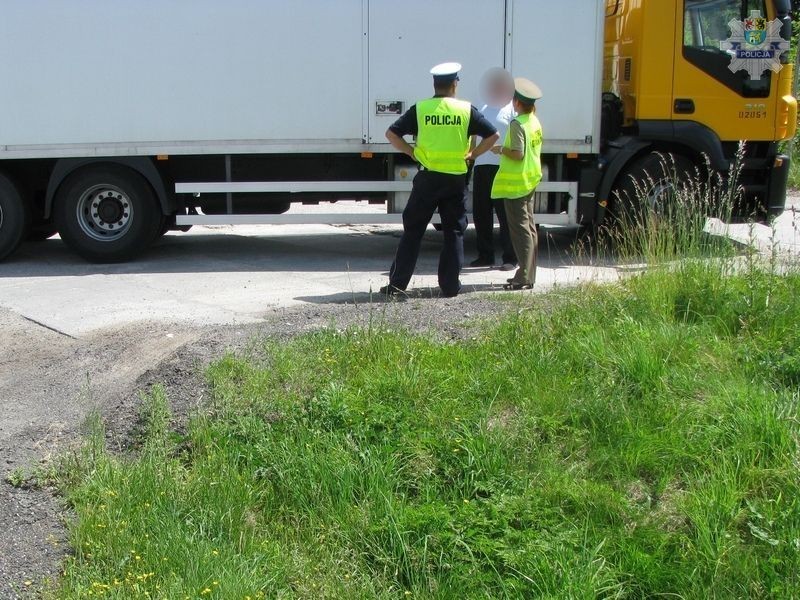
(516, 180)
(443, 126)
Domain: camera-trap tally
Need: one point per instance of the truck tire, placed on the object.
(648, 184)
(107, 213)
(15, 217)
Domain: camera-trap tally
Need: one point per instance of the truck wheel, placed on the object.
(14, 217)
(650, 184)
(167, 224)
(107, 213)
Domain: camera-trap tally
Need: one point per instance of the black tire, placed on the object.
(15, 217)
(107, 213)
(167, 224)
(647, 184)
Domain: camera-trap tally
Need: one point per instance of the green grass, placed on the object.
(630, 441)
(794, 167)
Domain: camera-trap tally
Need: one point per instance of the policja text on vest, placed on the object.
(443, 120)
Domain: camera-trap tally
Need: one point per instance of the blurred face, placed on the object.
(498, 91)
(497, 87)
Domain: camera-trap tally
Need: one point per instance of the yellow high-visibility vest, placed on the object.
(518, 178)
(442, 135)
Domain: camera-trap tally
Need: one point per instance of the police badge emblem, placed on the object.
(755, 45)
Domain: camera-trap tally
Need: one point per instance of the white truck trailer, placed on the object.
(120, 120)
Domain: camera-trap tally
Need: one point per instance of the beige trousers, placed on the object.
(522, 229)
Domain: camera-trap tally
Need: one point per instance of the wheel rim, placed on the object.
(659, 195)
(104, 212)
(1, 217)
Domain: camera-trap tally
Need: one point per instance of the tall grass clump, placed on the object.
(630, 441)
(660, 216)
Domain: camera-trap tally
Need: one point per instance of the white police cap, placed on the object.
(446, 71)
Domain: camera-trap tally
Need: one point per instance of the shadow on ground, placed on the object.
(333, 252)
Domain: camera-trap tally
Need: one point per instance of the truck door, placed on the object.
(705, 90)
(405, 40)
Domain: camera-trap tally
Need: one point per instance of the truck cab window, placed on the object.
(705, 25)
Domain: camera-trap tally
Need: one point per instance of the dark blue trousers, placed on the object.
(433, 191)
(483, 209)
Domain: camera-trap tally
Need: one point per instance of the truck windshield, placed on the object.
(705, 26)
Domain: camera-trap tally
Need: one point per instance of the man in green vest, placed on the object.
(516, 180)
(443, 127)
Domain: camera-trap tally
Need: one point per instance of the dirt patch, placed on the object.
(50, 382)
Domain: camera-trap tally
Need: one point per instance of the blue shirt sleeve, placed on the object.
(406, 124)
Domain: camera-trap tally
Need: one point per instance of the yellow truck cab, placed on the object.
(669, 88)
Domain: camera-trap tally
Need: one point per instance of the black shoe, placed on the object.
(390, 291)
(443, 294)
(482, 262)
(513, 287)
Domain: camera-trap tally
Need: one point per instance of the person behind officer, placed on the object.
(443, 126)
(498, 88)
(519, 173)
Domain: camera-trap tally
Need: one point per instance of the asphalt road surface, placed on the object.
(225, 275)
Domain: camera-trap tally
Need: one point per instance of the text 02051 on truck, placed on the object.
(118, 123)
